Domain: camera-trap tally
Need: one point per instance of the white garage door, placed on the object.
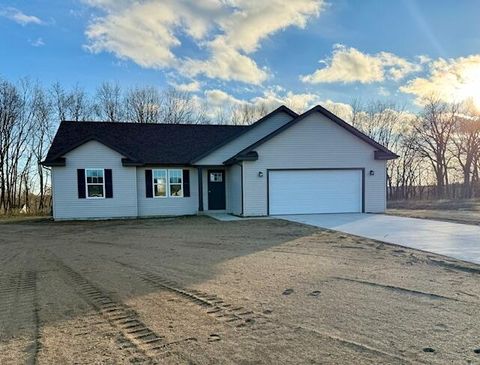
(315, 191)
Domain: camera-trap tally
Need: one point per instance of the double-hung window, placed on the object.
(95, 183)
(167, 183)
(160, 183)
(175, 183)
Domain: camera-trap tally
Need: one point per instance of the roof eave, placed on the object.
(126, 162)
(382, 155)
(250, 156)
(51, 163)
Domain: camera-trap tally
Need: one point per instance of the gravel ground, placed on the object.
(198, 291)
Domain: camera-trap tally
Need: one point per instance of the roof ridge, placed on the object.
(150, 124)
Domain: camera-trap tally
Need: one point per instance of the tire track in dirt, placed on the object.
(215, 306)
(241, 317)
(138, 339)
(19, 311)
(31, 285)
(397, 289)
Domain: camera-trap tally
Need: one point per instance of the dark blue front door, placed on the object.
(216, 190)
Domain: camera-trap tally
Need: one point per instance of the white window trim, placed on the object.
(181, 184)
(87, 183)
(167, 184)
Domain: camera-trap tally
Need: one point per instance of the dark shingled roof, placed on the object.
(142, 143)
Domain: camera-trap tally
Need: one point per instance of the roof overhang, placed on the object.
(382, 155)
(126, 162)
(249, 156)
(56, 162)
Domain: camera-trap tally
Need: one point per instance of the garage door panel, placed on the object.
(315, 191)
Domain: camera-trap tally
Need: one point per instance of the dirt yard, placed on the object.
(466, 211)
(198, 291)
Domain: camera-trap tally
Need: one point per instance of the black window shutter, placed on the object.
(148, 184)
(81, 183)
(108, 183)
(186, 183)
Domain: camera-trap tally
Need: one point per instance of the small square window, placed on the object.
(216, 176)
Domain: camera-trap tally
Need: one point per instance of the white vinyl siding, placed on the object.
(223, 153)
(314, 142)
(234, 189)
(315, 191)
(93, 155)
(149, 207)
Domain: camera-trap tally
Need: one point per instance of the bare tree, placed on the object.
(245, 114)
(70, 105)
(15, 131)
(108, 106)
(41, 138)
(79, 105)
(143, 105)
(434, 127)
(178, 107)
(466, 147)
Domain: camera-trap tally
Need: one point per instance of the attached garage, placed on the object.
(305, 191)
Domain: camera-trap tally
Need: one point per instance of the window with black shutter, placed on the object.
(186, 183)
(81, 183)
(148, 184)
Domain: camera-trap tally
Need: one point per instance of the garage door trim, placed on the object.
(362, 169)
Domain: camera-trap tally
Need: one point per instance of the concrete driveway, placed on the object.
(460, 241)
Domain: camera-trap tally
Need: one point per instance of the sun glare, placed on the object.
(469, 85)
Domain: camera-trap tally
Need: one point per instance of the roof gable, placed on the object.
(382, 152)
(252, 133)
(141, 144)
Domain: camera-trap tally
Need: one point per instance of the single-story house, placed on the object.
(284, 163)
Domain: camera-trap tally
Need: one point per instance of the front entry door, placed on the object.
(216, 190)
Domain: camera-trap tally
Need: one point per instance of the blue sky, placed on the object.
(238, 51)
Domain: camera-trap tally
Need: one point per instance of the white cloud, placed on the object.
(228, 32)
(141, 32)
(37, 42)
(298, 102)
(218, 101)
(20, 17)
(226, 64)
(341, 110)
(350, 65)
(219, 98)
(188, 87)
(423, 59)
(452, 80)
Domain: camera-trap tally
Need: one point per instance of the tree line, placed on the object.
(439, 147)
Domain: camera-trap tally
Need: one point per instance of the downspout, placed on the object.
(200, 189)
